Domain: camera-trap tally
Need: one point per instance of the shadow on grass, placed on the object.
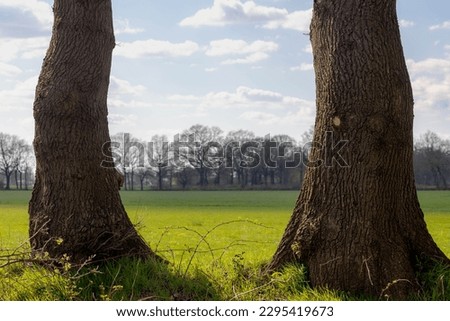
(135, 279)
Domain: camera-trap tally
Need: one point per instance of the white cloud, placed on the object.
(308, 48)
(406, 23)
(239, 47)
(9, 70)
(246, 107)
(40, 10)
(155, 48)
(250, 59)
(303, 67)
(123, 94)
(252, 94)
(444, 25)
(261, 117)
(226, 12)
(117, 102)
(302, 115)
(297, 20)
(25, 48)
(430, 80)
(20, 96)
(123, 27)
(120, 120)
(242, 97)
(432, 66)
(253, 52)
(123, 87)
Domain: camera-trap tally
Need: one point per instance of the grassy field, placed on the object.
(175, 223)
(244, 221)
(200, 229)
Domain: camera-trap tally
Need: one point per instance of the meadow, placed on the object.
(213, 234)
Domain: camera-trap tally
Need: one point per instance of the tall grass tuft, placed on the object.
(435, 284)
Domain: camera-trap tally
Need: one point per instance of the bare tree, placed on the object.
(133, 161)
(184, 176)
(200, 142)
(284, 154)
(234, 142)
(214, 154)
(12, 153)
(433, 153)
(129, 157)
(25, 166)
(158, 155)
(143, 173)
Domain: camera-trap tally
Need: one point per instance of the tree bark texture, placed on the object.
(76, 207)
(359, 228)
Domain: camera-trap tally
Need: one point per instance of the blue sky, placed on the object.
(236, 64)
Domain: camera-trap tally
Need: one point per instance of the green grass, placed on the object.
(216, 241)
(236, 222)
(436, 206)
(13, 218)
(253, 221)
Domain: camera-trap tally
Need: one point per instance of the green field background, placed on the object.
(195, 227)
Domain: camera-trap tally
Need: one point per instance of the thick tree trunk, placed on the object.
(359, 228)
(75, 207)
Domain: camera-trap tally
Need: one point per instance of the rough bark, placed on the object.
(76, 207)
(359, 228)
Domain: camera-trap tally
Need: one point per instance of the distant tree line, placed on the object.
(203, 157)
(16, 163)
(432, 161)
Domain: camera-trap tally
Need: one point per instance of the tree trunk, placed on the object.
(442, 176)
(8, 179)
(126, 180)
(76, 207)
(169, 180)
(132, 179)
(359, 228)
(26, 178)
(159, 178)
(217, 180)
